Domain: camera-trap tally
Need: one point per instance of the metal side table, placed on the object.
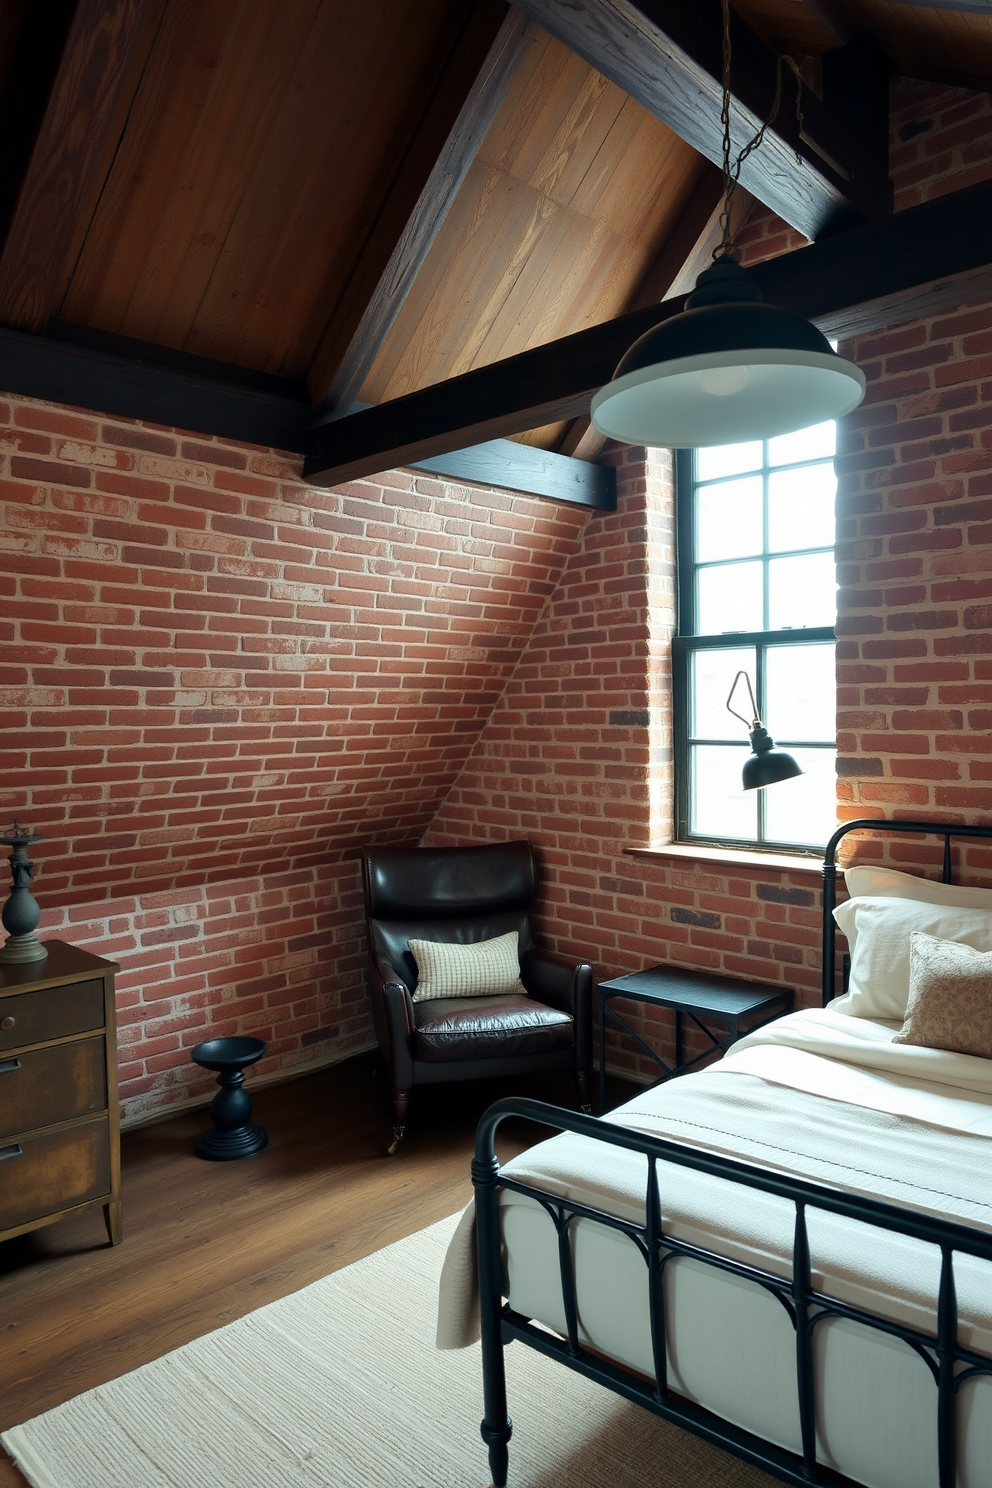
(695, 995)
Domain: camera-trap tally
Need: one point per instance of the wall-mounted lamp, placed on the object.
(766, 765)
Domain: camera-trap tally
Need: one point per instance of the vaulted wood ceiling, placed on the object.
(239, 186)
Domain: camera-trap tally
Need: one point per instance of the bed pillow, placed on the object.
(950, 997)
(878, 931)
(482, 968)
(869, 881)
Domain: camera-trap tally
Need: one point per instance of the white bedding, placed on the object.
(909, 1125)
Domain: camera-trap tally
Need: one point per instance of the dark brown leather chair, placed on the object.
(467, 894)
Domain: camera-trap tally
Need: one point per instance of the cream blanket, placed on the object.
(818, 1095)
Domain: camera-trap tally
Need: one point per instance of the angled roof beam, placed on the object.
(475, 81)
(668, 55)
(914, 263)
(80, 114)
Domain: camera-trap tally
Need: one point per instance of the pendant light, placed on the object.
(766, 764)
(728, 368)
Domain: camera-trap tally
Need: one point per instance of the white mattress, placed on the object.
(817, 1094)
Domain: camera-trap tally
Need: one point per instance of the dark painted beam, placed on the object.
(971, 7)
(668, 55)
(476, 80)
(134, 379)
(79, 116)
(919, 261)
(537, 472)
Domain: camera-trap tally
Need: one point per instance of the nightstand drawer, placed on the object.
(53, 1171)
(50, 1013)
(46, 1086)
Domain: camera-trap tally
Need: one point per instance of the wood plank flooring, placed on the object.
(205, 1242)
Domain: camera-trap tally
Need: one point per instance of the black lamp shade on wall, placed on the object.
(767, 765)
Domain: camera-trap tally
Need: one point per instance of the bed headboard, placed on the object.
(933, 829)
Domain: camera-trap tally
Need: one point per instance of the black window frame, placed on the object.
(685, 643)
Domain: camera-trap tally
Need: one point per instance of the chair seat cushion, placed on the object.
(457, 1028)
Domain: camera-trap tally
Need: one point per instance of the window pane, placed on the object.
(801, 508)
(800, 692)
(802, 591)
(728, 459)
(804, 810)
(728, 519)
(730, 598)
(720, 807)
(711, 677)
(804, 444)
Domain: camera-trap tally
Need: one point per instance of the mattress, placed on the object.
(819, 1095)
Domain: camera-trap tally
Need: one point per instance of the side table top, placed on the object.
(695, 991)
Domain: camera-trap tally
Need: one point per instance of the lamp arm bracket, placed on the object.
(754, 707)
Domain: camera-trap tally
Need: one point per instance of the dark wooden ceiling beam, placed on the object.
(81, 110)
(475, 81)
(668, 55)
(124, 378)
(918, 261)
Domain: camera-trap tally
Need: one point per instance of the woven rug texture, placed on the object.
(340, 1386)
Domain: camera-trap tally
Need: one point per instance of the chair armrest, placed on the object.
(392, 1014)
(566, 985)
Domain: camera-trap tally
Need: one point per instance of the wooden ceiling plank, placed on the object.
(692, 239)
(919, 261)
(667, 55)
(80, 112)
(481, 69)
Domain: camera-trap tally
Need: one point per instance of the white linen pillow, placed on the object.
(869, 881)
(878, 931)
(481, 968)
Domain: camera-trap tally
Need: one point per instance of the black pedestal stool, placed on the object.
(233, 1133)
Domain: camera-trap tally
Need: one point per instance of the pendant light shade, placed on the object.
(728, 369)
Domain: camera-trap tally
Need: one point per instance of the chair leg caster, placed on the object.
(587, 1108)
(393, 1147)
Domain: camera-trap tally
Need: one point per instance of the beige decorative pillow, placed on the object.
(482, 968)
(950, 997)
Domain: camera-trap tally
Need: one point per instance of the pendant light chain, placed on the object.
(732, 172)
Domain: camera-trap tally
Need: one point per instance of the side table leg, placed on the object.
(678, 1041)
(602, 1054)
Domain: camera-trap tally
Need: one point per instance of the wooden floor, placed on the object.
(207, 1242)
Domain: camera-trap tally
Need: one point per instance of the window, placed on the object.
(757, 593)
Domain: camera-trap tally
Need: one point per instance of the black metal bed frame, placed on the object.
(949, 1362)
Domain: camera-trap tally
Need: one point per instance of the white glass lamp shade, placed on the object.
(728, 368)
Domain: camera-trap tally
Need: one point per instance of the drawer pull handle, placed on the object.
(7, 1022)
(12, 1151)
(8, 1066)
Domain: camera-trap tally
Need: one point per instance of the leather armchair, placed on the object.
(464, 895)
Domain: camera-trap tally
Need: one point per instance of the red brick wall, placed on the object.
(217, 682)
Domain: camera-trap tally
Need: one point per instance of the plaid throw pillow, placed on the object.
(481, 969)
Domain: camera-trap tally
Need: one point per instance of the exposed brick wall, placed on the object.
(215, 677)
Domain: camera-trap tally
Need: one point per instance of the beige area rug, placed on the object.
(340, 1386)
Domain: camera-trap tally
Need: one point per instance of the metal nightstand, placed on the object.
(694, 994)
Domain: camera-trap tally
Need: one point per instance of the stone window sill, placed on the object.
(731, 857)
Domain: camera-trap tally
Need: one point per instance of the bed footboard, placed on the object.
(949, 1363)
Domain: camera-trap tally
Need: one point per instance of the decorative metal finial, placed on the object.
(21, 912)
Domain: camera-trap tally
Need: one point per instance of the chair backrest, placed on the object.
(461, 894)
